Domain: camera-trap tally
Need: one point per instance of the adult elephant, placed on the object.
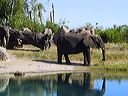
(72, 43)
(15, 39)
(4, 36)
(37, 39)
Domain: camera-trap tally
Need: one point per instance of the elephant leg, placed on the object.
(87, 57)
(3, 42)
(67, 59)
(7, 39)
(49, 43)
(0, 42)
(59, 56)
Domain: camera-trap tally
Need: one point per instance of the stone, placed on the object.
(3, 54)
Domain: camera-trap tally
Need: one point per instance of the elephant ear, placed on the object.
(90, 41)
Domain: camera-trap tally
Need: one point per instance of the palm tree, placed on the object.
(40, 7)
(53, 12)
(12, 2)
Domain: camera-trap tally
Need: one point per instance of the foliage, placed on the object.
(54, 27)
(25, 13)
(116, 34)
(29, 13)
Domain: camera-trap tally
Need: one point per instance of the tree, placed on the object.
(12, 7)
(40, 7)
(4, 11)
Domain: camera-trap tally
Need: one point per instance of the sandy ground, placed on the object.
(13, 65)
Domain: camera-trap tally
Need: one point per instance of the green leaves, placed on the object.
(116, 34)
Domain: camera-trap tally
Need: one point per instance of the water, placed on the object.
(72, 84)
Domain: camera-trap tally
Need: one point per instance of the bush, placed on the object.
(114, 34)
(54, 27)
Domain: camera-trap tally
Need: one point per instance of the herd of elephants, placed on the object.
(67, 42)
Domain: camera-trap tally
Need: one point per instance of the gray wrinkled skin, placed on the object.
(71, 43)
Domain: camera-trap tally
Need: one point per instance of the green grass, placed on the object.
(116, 56)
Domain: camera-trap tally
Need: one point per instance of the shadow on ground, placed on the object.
(63, 63)
(32, 50)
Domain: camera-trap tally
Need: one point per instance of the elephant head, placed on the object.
(37, 39)
(49, 36)
(15, 39)
(94, 42)
(43, 42)
(4, 36)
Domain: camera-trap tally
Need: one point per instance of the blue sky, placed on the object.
(80, 12)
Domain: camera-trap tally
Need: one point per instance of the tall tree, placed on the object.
(50, 16)
(4, 10)
(40, 7)
(53, 13)
(26, 8)
(12, 2)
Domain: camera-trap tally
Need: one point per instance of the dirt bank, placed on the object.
(28, 66)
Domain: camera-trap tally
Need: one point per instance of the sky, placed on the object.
(77, 13)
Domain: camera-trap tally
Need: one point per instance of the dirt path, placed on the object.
(28, 66)
(12, 66)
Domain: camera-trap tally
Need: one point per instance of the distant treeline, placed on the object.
(29, 13)
(25, 13)
(115, 34)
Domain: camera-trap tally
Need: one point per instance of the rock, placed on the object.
(3, 54)
(17, 73)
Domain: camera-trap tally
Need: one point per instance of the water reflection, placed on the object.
(4, 81)
(71, 84)
(76, 89)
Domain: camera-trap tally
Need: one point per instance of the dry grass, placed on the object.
(116, 56)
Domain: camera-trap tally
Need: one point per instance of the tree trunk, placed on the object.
(53, 11)
(50, 16)
(12, 7)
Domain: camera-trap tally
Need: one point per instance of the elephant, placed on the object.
(15, 39)
(49, 34)
(78, 30)
(88, 29)
(37, 39)
(4, 36)
(71, 43)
